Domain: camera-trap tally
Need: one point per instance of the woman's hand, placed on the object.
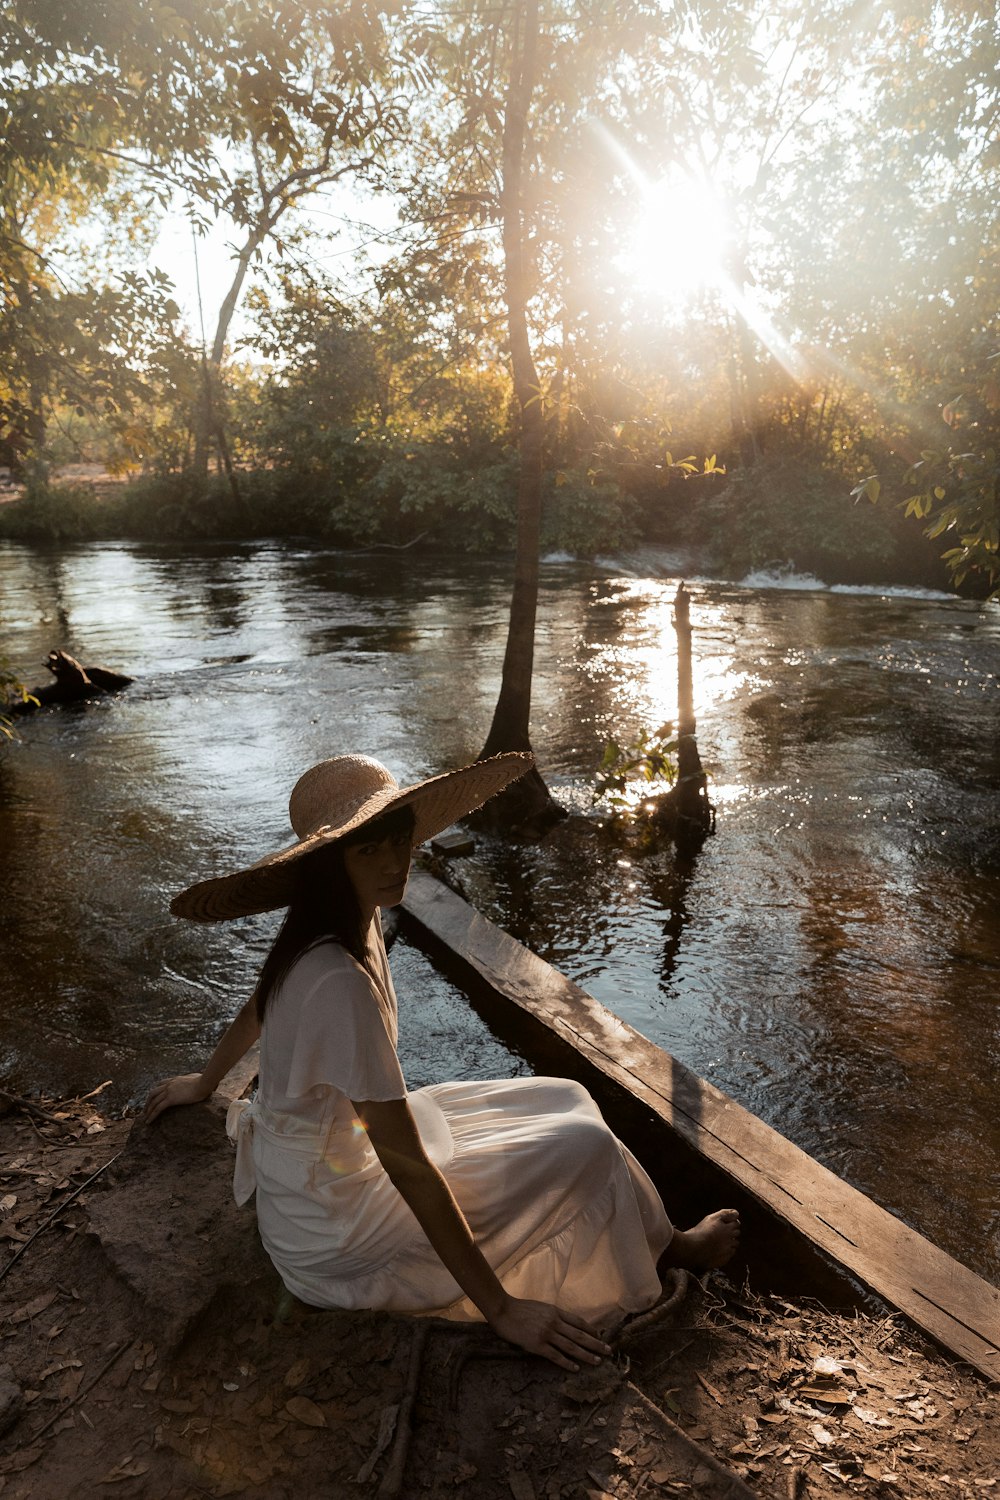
(543, 1329)
(186, 1088)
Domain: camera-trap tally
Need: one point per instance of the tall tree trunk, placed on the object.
(529, 798)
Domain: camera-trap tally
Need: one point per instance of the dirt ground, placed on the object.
(149, 1351)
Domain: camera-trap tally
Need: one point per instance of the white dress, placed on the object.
(559, 1207)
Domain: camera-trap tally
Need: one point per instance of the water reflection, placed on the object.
(831, 959)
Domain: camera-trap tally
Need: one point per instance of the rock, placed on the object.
(167, 1223)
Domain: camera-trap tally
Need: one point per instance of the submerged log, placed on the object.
(74, 683)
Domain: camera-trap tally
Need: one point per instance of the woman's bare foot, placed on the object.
(708, 1245)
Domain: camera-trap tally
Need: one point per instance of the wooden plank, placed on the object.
(952, 1304)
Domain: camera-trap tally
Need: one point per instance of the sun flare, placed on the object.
(678, 240)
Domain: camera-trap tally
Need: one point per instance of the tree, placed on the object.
(509, 730)
(517, 89)
(337, 123)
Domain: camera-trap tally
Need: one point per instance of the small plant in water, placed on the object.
(12, 690)
(651, 757)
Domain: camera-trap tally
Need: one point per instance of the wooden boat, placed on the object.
(806, 1231)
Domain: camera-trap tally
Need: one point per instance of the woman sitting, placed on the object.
(510, 1201)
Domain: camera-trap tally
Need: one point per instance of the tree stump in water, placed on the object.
(74, 683)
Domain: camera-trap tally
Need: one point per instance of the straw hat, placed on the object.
(333, 799)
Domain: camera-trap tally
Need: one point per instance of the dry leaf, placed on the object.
(70, 1384)
(304, 1410)
(23, 1459)
(258, 1472)
(34, 1307)
(176, 1404)
(64, 1364)
(7, 1202)
(129, 1468)
(719, 1401)
(297, 1373)
(869, 1417)
(833, 1395)
(386, 1428)
(521, 1486)
(826, 1365)
(822, 1434)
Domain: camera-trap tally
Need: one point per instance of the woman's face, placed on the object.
(378, 871)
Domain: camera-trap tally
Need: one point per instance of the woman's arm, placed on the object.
(189, 1088)
(535, 1326)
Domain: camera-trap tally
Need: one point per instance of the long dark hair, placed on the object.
(324, 906)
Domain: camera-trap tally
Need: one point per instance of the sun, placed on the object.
(678, 241)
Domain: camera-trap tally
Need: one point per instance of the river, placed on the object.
(832, 960)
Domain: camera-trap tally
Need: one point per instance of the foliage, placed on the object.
(954, 486)
(12, 690)
(849, 331)
(648, 759)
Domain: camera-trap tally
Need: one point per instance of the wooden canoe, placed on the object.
(806, 1231)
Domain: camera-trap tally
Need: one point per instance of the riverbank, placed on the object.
(149, 1348)
(778, 513)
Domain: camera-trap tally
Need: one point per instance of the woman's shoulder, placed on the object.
(323, 962)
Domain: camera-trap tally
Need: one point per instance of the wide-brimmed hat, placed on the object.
(338, 797)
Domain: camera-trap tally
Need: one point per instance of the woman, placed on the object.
(510, 1201)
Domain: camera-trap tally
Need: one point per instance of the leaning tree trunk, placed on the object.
(528, 799)
(210, 419)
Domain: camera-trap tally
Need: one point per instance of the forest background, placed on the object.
(755, 247)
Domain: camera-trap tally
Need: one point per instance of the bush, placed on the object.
(788, 510)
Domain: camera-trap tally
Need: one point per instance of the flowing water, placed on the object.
(831, 959)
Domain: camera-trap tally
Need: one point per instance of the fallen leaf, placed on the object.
(297, 1373)
(70, 1384)
(869, 1417)
(23, 1459)
(719, 1400)
(826, 1365)
(33, 1308)
(386, 1428)
(521, 1486)
(129, 1468)
(833, 1395)
(7, 1202)
(306, 1411)
(63, 1364)
(822, 1434)
(176, 1404)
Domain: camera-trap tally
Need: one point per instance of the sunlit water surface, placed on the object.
(832, 959)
